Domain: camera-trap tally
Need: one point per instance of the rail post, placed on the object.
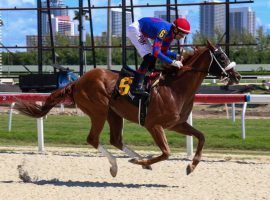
(243, 121)
(233, 112)
(10, 116)
(40, 132)
(189, 139)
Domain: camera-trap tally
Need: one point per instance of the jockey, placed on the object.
(162, 33)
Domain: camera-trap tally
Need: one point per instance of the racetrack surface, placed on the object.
(70, 173)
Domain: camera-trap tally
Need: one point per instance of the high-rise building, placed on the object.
(267, 30)
(62, 25)
(55, 13)
(243, 19)
(163, 15)
(117, 21)
(212, 18)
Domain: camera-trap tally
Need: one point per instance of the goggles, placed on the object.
(180, 33)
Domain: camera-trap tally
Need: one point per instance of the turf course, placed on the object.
(63, 130)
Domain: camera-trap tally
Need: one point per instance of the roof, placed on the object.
(63, 18)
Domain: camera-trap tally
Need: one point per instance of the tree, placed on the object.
(76, 13)
(249, 54)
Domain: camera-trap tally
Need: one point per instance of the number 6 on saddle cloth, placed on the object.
(122, 89)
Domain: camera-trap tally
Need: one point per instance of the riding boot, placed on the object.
(137, 85)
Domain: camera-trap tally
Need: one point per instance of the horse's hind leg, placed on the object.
(116, 132)
(111, 158)
(93, 139)
(187, 129)
(116, 128)
(98, 119)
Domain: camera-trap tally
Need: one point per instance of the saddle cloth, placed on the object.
(122, 89)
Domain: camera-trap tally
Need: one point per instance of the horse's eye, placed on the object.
(222, 57)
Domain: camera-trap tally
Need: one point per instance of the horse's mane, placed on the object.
(190, 59)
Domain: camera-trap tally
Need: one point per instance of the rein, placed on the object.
(190, 68)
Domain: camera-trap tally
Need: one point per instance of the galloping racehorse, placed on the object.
(170, 104)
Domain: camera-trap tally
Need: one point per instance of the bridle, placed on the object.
(230, 66)
(213, 58)
(225, 70)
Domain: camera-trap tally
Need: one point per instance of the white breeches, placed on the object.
(141, 43)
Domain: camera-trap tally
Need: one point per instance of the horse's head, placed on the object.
(221, 66)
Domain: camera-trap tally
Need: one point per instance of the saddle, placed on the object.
(122, 89)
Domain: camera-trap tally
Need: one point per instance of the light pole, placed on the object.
(109, 35)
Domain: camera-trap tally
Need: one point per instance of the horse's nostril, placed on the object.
(238, 78)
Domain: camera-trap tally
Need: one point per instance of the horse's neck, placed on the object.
(188, 82)
(196, 58)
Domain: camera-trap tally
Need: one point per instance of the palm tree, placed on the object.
(84, 17)
(76, 13)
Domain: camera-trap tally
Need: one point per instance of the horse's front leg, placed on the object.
(131, 153)
(159, 136)
(187, 129)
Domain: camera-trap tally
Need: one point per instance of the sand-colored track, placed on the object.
(64, 173)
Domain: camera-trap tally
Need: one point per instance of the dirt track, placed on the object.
(84, 174)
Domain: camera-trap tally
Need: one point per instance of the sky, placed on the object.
(18, 24)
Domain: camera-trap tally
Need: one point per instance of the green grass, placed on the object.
(221, 134)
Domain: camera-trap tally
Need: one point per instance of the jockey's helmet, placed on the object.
(182, 25)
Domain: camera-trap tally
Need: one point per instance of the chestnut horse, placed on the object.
(170, 104)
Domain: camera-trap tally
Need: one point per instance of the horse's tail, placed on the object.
(34, 110)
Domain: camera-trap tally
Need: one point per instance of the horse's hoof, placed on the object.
(133, 160)
(189, 169)
(113, 171)
(147, 167)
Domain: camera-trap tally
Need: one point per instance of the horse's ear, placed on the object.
(210, 45)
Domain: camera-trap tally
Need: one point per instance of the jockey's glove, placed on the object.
(179, 57)
(177, 63)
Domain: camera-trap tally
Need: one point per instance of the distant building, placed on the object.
(267, 30)
(117, 21)
(163, 15)
(63, 25)
(212, 17)
(243, 19)
(32, 40)
(55, 13)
